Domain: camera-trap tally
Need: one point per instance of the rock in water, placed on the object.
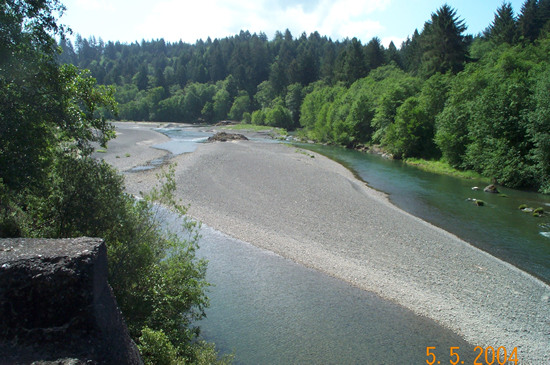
(224, 137)
(491, 189)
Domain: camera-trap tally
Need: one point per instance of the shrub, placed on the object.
(156, 349)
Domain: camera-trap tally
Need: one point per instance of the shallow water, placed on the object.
(499, 227)
(183, 140)
(269, 310)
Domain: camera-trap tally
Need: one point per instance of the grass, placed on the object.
(441, 167)
(304, 152)
(101, 151)
(257, 128)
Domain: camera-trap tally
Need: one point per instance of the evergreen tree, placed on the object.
(503, 29)
(443, 44)
(374, 54)
(328, 61)
(216, 64)
(141, 78)
(393, 55)
(351, 63)
(528, 21)
(411, 53)
(544, 16)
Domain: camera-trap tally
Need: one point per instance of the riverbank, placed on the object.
(313, 211)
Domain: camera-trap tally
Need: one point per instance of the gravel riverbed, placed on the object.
(312, 210)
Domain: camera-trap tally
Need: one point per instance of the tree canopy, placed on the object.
(344, 91)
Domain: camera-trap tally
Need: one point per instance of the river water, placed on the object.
(499, 227)
(268, 310)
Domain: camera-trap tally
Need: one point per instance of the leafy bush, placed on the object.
(156, 349)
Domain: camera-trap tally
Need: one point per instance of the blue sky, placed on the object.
(133, 20)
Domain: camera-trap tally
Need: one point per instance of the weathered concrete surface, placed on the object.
(56, 304)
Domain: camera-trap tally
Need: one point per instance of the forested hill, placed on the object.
(479, 102)
(221, 72)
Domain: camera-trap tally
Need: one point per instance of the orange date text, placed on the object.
(483, 356)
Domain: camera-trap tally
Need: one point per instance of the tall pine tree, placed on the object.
(374, 53)
(529, 24)
(351, 63)
(443, 44)
(503, 29)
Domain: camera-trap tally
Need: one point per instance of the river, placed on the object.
(498, 227)
(269, 310)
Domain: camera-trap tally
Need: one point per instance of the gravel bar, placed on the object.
(313, 211)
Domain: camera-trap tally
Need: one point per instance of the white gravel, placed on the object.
(315, 212)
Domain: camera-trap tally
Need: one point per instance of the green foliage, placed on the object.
(279, 116)
(43, 104)
(538, 129)
(529, 22)
(485, 124)
(409, 134)
(51, 118)
(442, 167)
(293, 102)
(156, 349)
(222, 104)
(239, 107)
(412, 132)
(351, 63)
(265, 94)
(359, 114)
(258, 117)
(395, 88)
(154, 274)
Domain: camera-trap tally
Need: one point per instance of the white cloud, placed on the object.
(192, 20)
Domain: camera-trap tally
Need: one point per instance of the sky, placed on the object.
(128, 21)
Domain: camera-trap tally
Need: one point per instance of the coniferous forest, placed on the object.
(479, 102)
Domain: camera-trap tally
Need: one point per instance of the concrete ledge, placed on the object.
(56, 304)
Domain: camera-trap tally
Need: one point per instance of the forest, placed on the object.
(478, 102)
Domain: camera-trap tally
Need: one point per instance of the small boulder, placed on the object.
(224, 137)
(491, 189)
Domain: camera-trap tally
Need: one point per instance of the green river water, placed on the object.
(499, 227)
